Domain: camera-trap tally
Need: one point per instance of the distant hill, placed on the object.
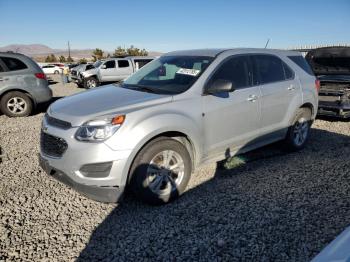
(39, 50)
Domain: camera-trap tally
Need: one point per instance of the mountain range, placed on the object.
(39, 50)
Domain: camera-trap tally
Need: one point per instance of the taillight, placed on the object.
(40, 75)
(317, 85)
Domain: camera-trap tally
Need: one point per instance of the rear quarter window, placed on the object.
(13, 64)
(301, 62)
(123, 63)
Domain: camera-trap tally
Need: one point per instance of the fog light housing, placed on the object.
(96, 170)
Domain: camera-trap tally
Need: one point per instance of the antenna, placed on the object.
(267, 42)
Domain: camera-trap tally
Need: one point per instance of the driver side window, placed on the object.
(236, 70)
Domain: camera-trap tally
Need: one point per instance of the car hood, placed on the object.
(90, 72)
(105, 100)
(330, 60)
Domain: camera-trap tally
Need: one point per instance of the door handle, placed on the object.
(291, 87)
(3, 79)
(252, 98)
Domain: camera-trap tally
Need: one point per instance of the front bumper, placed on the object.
(101, 194)
(87, 167)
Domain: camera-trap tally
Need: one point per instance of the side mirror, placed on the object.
(219, 86)
(103, 66)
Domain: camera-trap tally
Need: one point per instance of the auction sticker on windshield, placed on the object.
(190, 72)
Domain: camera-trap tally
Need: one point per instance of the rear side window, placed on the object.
(13, 64)
(236, 70)
(269, 69)
(123, 63)
(110, 64)
(301, 62)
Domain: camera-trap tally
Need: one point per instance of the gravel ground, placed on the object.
(285, 207)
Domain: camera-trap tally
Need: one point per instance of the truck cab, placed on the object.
(113, 70)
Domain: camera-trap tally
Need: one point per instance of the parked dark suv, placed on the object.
(23, 85)
(331, 65)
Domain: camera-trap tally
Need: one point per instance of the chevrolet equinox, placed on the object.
(186, 108)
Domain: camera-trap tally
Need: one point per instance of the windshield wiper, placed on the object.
(140, 87)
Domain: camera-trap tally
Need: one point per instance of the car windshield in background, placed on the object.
(168, 74)
(97, 64)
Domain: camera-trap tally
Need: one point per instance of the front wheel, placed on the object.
(90, 82)
(298, 132)
(161, 171)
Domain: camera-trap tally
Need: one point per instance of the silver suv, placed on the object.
(23, 85)
(181, 110)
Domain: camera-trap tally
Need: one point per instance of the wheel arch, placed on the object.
(176, 135)
(308, 106)
(19, 90)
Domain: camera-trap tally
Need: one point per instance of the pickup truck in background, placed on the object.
(112, 70)
(76, 71)
(331, 65)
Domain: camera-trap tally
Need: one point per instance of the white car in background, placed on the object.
(51, 69)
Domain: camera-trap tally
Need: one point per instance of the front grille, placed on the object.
(52, 145)
(57, 122)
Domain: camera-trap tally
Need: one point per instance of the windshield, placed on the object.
(97, 64)
(168, 74)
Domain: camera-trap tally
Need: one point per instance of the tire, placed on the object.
(298, 132)
(91, 82)
(16, 104)
(157, 185)
(56, 72)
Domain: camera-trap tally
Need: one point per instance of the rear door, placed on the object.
(125, 69)
(279, 88)
(3, 77)
(231, 120)
(15, 73)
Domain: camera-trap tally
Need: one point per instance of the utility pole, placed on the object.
(68, 49)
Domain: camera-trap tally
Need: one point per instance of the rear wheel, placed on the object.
(161, 171)
(91, 82)
(298, 133)
(16, 104)
(56, 72)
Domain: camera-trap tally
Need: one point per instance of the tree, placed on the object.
(69, 59)
(120, 51)
(51, 58)
(83, 61)
(62, 59)
(131, 51)
(134, 51)
(97, 54)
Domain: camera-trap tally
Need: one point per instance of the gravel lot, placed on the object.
(284, 207)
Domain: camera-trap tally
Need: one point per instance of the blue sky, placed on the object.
(162, 25)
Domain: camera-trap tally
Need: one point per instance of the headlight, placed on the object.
(99, 130)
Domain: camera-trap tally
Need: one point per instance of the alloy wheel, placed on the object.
(165, 172)
(16, 105)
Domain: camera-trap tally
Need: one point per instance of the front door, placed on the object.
(231, 120)
(107, 71)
